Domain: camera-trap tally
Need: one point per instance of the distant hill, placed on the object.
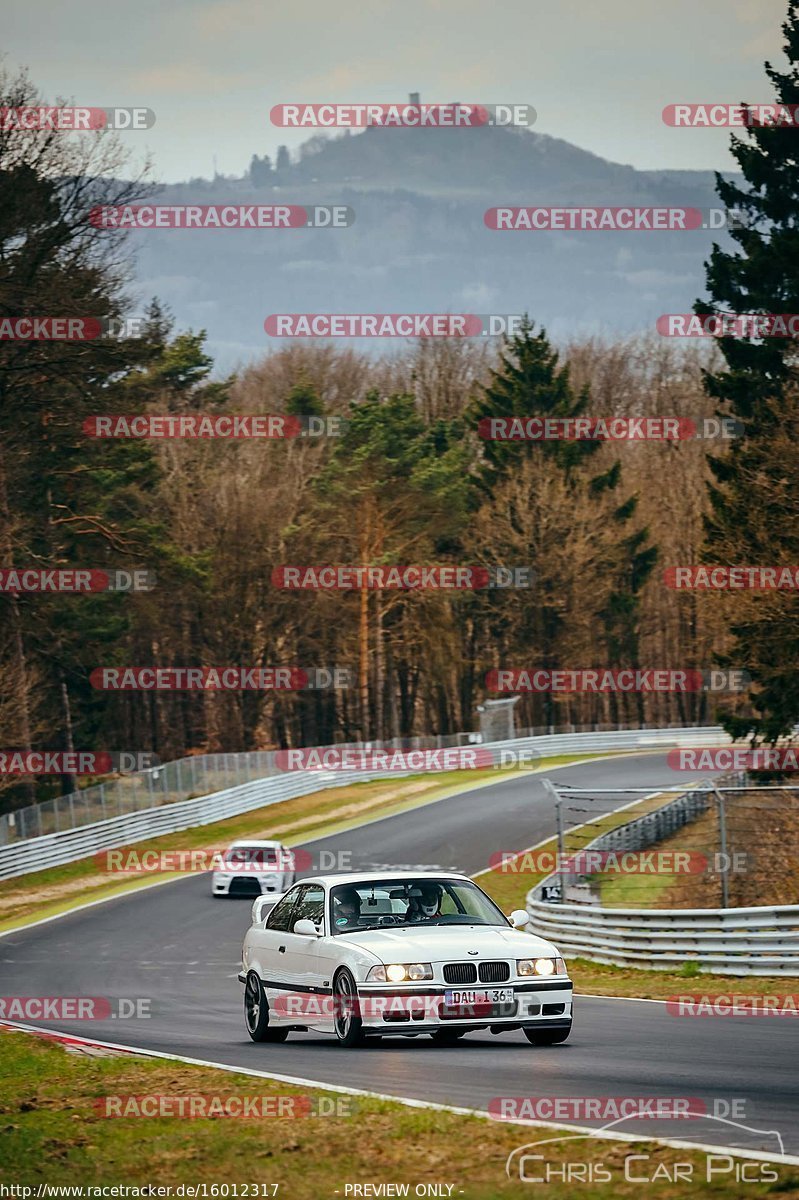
(419, 243)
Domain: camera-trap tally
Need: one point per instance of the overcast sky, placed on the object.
(598, 72)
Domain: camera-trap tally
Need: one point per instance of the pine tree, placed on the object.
(753, 517)
(66, 499)
(531, 382)
(394, 491)
(304, 401)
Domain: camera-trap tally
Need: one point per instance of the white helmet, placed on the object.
(426, 898)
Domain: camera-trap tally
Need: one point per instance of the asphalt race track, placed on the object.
(179, 947)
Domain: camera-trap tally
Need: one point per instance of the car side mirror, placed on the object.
(518, 918)
(306, 928)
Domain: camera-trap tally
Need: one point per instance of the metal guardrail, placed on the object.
(22, 857)
(727, 941)
(202, 774)
(166, 783)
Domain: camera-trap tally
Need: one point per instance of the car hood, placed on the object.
(444, 943)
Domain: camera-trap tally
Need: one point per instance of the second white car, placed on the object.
(252, 868)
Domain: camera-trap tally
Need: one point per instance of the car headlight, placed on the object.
(540, 966)
(400, 973)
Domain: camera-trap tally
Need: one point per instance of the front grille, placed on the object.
(460, 973)
(494, 972)
(245, 887)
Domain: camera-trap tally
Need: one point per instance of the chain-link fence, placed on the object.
(202, 774)
(183, 779)
(724, 844)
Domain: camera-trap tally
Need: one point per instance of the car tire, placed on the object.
(347, 1023)
(447, 1037)
(547, 1037)
(256, 1012)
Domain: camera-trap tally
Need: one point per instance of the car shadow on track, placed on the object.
(421, 1042)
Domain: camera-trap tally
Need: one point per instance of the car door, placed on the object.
(302, 996)
(305, 949)
(269, 946)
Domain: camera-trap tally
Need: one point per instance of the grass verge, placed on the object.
(50, 1104)
(598, 979)
(644, 891)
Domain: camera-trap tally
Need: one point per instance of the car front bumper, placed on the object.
(247, 883)
(540, 1004)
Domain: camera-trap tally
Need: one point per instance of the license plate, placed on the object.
(453, 999)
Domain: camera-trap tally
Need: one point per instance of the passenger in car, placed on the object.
(347, 908)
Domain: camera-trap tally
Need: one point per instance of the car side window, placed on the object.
(280, 916)
(311, 906)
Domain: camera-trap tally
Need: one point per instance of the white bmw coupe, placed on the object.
(387, 953)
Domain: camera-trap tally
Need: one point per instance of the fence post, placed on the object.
(553, 791)
(725, 892)
(559, 820)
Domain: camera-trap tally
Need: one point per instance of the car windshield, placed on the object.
(427, 901)
(252, 856)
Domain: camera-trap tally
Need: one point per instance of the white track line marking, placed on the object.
(409, 1102)
(632, 999)
(553, 836)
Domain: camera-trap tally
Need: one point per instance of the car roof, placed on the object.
(254, 842)
(353, 877)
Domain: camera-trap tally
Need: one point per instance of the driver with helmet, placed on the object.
(424, 903)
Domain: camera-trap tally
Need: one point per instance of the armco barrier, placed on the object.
(725, 941)
(53, 849)
(202, 774)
